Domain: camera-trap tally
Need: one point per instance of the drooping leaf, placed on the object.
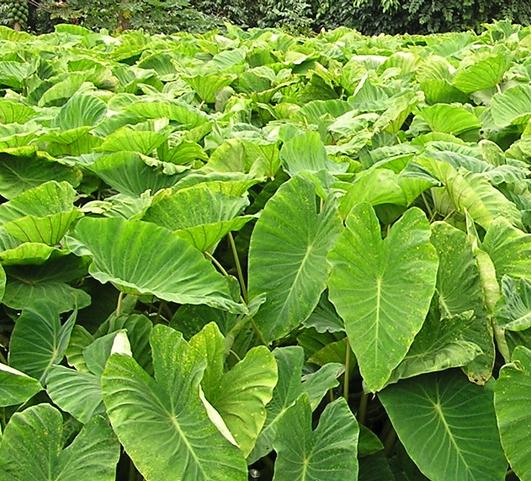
(459, 292)
(328, 453)
(129, 174)
(447, 426)
(18, 174)
(382, 288)
(42, 214)
(509, 248)
(511, 398)
(203, 213)
(287, 256)
(472, 193)
(513, 313)
(28, 285)
(142, 258)
(161, 421)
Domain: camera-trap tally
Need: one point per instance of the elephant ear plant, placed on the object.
(247, 255)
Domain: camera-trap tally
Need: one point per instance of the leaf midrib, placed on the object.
(175, 422)
(440, 414)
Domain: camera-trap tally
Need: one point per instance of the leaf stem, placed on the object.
(217, 264)
(428, 208)
(389, 441)
(238, 267)
(362, 411)
(346, 379)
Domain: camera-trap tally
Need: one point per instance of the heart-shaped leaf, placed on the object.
(382, 288)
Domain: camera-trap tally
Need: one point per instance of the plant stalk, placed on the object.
(238, 267)
(362, 411)
(389, 441)
(346, 379)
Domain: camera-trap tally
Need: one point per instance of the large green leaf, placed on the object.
(207, 86)
(39, 340)
(33, 448)
(287, 256)
(241, 394)
(80, 111)
(61, 90)
(28, 285)
(509, 248)
(291, 384)
(513, 106)
(129, 174)
(382, 288)
(18, 174)
(305, 152)
(179, 112)
(14, 112)
(375, 468)
(129, 140)
(328, 453)
(484, 73)
(143, 258)
(447, 426)
(203, 213)
(441, 344)
(42, 214)
(77, 393)
(16, 387)
(161, 421)
(451, 119)
(511, 399)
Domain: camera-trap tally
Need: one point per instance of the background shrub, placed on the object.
(301, 16)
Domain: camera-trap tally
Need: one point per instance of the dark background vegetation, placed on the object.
(297, 16)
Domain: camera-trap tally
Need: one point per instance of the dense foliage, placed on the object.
(297, 16)
(265, 256)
